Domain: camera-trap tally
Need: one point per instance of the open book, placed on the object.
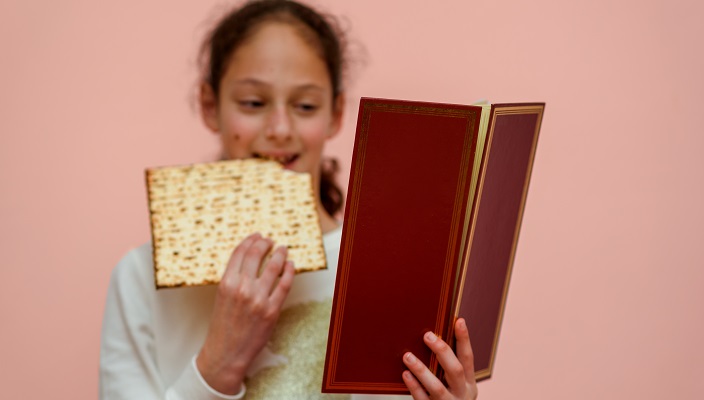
(434, 207)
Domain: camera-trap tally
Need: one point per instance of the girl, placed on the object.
(271, 87)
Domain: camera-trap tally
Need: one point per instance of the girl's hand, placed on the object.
(459, 369)
(247, 306)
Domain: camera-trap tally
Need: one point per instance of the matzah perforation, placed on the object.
(199, 213)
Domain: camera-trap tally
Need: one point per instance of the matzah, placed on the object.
(200, 213)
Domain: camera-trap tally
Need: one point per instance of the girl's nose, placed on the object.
(279, 127)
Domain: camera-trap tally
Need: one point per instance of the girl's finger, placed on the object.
(416, 389)
(454, 370)
(254, 256)
(278, 295)
(464, 349)
(235, 263)
(273, 268)
(426, 378)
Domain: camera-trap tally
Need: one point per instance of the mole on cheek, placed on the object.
(235, 136)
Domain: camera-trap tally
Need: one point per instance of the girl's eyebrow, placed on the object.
(251, 81)
(310, 86)
(260, 83)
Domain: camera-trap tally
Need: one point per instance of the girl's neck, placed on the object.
(327, 222)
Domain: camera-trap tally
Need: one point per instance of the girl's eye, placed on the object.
(251, 104)
(306, 107)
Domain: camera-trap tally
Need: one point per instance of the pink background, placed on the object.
(606, 297)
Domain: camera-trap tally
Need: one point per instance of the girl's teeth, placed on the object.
(281, 159)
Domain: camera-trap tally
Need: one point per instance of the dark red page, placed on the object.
(509, 153)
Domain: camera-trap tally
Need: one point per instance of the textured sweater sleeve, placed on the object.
(128, 367)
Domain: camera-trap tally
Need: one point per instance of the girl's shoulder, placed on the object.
(135, 270)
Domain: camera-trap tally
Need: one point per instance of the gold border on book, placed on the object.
(345, 262)
(390, 388)
(457, 224)
(468, 216)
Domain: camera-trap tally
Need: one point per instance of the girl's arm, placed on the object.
(128, 366)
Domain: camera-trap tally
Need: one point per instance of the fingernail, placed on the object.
(431, 336)
(410, 358)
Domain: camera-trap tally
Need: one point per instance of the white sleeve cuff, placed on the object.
(191, 385)
(237, 396)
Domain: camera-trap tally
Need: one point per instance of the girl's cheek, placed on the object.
(315, 131)
(243, 129)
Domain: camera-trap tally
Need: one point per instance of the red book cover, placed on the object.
(407, 238)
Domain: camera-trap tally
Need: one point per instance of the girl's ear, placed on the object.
(209, 107)
(337, 114)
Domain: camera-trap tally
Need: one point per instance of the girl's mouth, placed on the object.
(283, 159)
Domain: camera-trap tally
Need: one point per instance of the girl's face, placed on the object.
(275, 101)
